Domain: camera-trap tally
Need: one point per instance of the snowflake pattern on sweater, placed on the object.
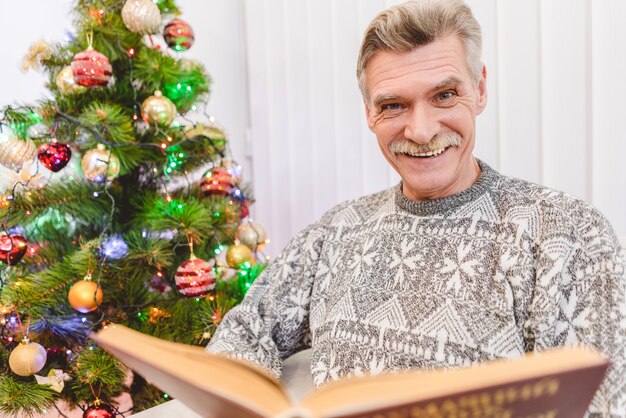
(385, 283)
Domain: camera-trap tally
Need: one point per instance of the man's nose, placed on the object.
(421, 125)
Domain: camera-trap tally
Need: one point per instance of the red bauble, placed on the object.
(101, 410)
(12, 248)
(91, 68)
(54, 155)
(178, 35)
(218, 181)
(195, 277)
(245, 209)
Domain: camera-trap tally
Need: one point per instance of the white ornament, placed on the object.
(27, 358)
(141, 16)
(14, 152)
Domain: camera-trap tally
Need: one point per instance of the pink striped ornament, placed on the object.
(195, 277)
(91, 68)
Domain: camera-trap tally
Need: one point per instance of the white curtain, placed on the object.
(556, 87)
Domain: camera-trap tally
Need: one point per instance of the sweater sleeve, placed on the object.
(272, 321)
(579, 298)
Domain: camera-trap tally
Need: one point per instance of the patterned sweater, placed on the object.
(387, 283)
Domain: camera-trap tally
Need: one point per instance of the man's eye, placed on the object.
(391, 106)
(446, 95)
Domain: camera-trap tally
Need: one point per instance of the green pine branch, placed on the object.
(19, 398)
(95, 369)
(75, 199)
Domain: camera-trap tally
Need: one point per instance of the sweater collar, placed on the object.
(485, 182)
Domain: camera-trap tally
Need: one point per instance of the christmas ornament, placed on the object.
(252, 235)
(91, 68)
(99, 410)
(114, 247)
(200, 131)
(54, 155)
(37, 54)
(141, 16)
(12, 248)
(100, 165)
(66, 83)
(158, 109)
(27, 358)
(10, 325)
(195, 277)
(56, 380)
(158, 284)
(15, 152)
(28, 177)
(157, 315)
(85, 295)
(237, 255)
(245, 208)
(222, 269)
(178, 35)
(218, 181)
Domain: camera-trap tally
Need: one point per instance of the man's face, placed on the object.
(422, 107)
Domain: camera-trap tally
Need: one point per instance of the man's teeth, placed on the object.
(429, 153)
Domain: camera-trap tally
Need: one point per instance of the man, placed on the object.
(456, 265)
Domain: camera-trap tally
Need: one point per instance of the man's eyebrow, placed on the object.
(449, 82)
(383, 98)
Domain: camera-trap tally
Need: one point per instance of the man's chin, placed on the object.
(427, 180)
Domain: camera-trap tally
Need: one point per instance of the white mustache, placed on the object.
(438, 142)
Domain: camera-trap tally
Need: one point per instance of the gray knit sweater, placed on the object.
(386, 283)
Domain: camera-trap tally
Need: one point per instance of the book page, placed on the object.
(212, 385)
(529, 385)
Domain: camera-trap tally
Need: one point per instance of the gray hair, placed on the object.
(416, 23)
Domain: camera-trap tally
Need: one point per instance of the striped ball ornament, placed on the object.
(15, 152)
(218, 181)
(91, 68)
(195, 277)
(178, 35)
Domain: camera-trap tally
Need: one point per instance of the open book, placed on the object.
(559, 383)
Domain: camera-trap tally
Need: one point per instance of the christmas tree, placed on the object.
(104, 215)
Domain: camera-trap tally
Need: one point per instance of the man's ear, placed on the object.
(481, 103)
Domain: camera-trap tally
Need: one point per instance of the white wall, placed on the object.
(284, 70)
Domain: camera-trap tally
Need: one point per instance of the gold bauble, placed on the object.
(252, 235)
(85, 296)
(237, 255)
(66, 84)
(100, 165)
(159, 109)
(141, 16)
(213, 133)
(14, 152)
(27, 358)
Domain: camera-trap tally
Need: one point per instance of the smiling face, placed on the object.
(422, 106)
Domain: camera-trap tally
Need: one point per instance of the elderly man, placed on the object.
(457, 264)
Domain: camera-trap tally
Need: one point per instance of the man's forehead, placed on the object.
(442, 62)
